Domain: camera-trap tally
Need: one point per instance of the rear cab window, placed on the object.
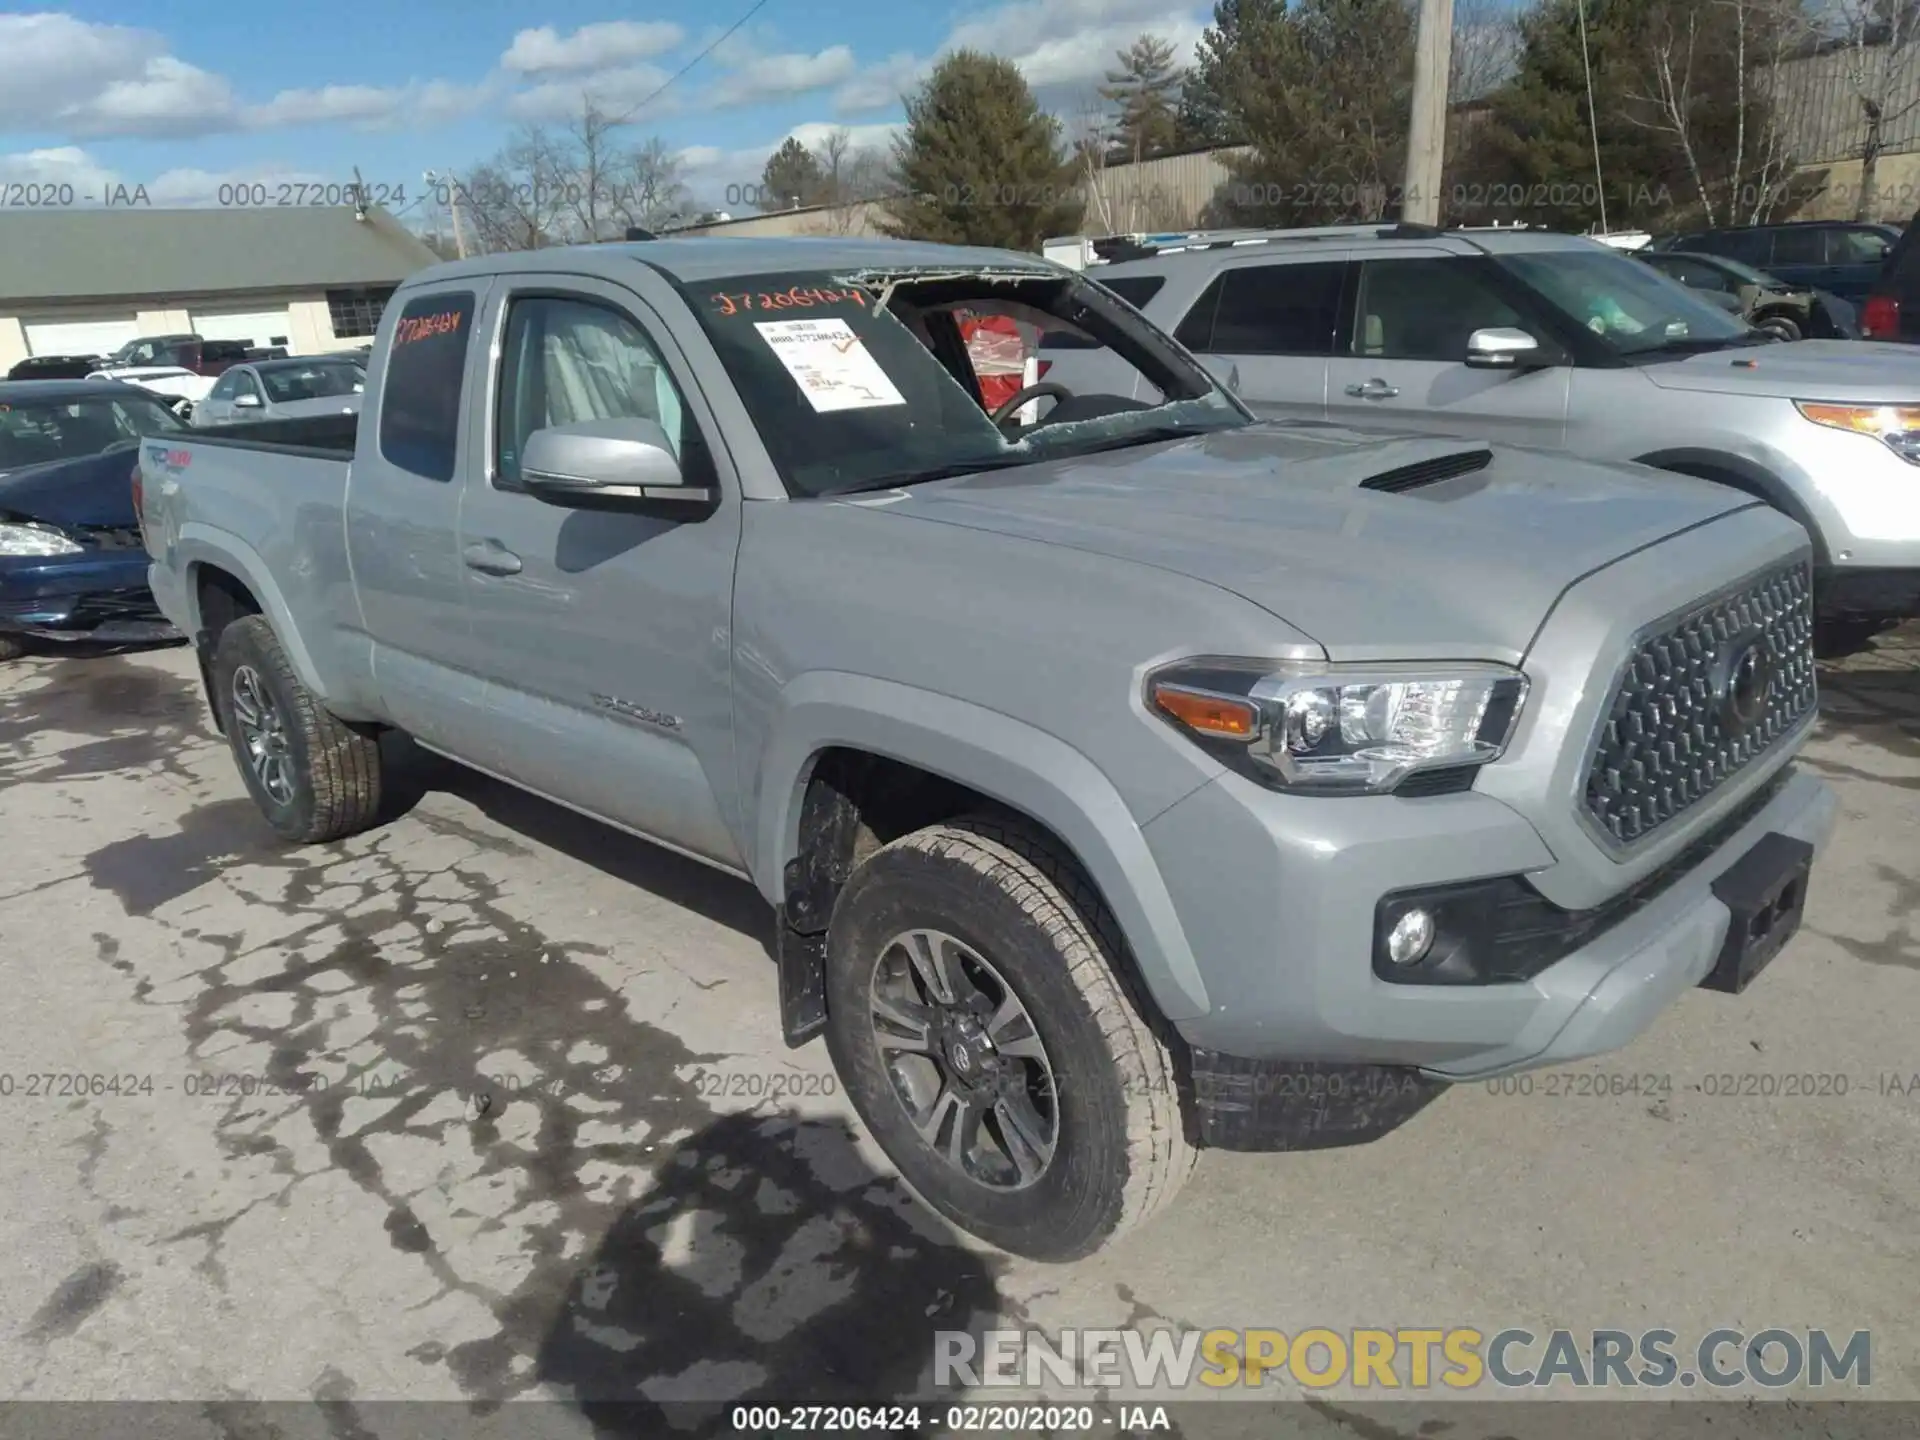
(420, 401)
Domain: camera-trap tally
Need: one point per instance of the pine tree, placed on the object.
(1143, 89)
(980, 163)
(1320, 90)
(792, 177)
(1206, 115)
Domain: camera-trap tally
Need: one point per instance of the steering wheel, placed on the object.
(1005, 408)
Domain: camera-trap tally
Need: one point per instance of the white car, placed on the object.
(179, 387)
(284, 389)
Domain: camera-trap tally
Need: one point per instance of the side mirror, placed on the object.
(247, 402)
(1501, 349)
(622, 464)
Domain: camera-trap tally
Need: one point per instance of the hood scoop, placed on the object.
(1423, 473)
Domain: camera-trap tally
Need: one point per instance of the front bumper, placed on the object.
(81, 597)
(1284, 918)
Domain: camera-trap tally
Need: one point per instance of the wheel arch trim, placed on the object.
(1010, 762)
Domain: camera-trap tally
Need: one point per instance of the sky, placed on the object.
(185, 98)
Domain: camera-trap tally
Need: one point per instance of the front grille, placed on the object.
(1671, 738)
(111, 537)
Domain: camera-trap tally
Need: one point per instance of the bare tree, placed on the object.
(1486, 45)
(1090, 133)
(583, 182)
(850, 177)
(1878, 39)
(511, 201)
(1708, 80)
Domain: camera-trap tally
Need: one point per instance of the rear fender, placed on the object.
(202, 544)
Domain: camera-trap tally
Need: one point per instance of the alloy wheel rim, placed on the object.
(965, 1059)
(263, 733)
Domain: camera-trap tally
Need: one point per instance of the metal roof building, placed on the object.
(85, 281)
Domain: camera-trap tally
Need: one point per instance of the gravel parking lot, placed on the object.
(491, 1103)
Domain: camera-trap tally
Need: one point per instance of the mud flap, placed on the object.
(1263, 1105)
(203, 653)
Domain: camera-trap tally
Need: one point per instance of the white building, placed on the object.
(84, 282)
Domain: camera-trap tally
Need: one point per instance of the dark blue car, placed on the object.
(72, 562)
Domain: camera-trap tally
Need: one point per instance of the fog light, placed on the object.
(1410, 938)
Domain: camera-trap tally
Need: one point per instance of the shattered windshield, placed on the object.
(867, 381)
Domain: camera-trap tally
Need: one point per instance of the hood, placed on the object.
(92, 490)
(1466, 567)
(1837, 370)
(324, 405)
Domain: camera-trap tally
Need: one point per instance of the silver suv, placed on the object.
(1555, 341)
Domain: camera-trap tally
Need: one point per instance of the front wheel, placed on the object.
(314, 777)
(12, 647)
(976, 1016)
(1784, 326)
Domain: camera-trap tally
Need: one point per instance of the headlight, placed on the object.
(36, 540)
(1897, 425)
(1341, 729)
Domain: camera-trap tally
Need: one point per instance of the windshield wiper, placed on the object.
(1703, 345)
(921, 477)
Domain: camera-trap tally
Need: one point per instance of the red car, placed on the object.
(189, 352)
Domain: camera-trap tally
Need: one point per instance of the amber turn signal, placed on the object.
(1208, 714)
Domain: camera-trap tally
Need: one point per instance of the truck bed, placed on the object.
(328, 436)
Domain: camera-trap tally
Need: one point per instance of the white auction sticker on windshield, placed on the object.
(833, 369)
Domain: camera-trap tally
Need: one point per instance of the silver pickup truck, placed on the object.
(1142, 778)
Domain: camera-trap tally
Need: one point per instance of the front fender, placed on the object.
(1005, 759)
(201, 544)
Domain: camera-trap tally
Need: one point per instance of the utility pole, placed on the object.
(452, 181)
(1427, 134)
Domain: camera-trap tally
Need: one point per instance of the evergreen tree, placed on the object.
(1321, 90)
(1206, 116)
(980, 163)
(1143, 91)
(792, 177)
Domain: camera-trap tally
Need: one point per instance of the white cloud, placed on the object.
(1063, 47)
(730, 179)
(880, 86)
(619, 92)
(190, 188)
(93, 182)
(604, 46)
(48, 60)
(776, 77)
(360, 104)
(168, 98)
(60, 166)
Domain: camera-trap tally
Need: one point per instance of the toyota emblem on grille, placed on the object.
(1744, 682)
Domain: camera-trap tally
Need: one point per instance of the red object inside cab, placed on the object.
(999, 356)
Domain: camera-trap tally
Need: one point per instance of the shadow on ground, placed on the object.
(768, 1264)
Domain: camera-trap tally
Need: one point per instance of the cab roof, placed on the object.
(699, 259)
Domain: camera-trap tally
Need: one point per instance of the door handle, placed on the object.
(1373, 390)
(490, 557)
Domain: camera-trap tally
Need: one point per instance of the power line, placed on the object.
(724, 36)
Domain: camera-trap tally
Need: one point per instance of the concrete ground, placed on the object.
(491, 1103)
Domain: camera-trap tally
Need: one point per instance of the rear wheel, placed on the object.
(976, 1016)
(314, 777)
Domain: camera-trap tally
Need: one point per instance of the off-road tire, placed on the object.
(12, 647)
(335, 767)
(1003, 889)
(1785, 326)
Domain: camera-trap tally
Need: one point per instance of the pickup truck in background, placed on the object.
(1140, 778)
